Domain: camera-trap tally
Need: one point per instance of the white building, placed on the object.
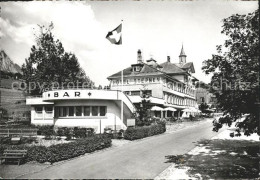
(97, 109)
(169, 84)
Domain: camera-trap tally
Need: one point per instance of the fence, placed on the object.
(18, 132)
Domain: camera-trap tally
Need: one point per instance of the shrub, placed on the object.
(45, 131)
(64, 151)
(27, 140)
(76, 132)
(133, 133)
(171, 119)
(68, 132)
(5, 140)
(90, 132)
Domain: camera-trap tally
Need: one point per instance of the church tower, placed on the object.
(182, 56)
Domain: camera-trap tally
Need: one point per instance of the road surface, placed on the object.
(143, 159)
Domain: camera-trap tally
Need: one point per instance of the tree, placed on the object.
(143, 110)
(49, 66)
(203, 107)
(235, 68)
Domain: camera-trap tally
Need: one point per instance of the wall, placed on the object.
(179, 77)
(112, 116)
(155, 87)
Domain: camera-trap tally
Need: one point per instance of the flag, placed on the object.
(115, 36)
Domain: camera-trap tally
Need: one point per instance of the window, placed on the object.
(102, 111)
(134, 93)
(71, 111)
(202, 99)
(48, 109)
(60, 111)
(56, 111)
(148, 92)
(87, 111)
(94, 110)
(139, 80)
(78, 111)
(38, 109)
(64, 113)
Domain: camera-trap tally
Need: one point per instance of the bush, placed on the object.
(27, 140)
(171, 119)
(5, 140)
(64, 151)
(46, 131)
(133, 133)
(76, 132)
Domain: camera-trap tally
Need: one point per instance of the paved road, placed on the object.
(141, 159)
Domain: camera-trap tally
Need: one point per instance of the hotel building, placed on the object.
(169, 84)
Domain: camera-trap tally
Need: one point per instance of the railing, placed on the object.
(18, 132)
(71, 88)
(36, 96)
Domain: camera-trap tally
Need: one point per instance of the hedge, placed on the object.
(64, 151)
(133, 133)
(69, 132)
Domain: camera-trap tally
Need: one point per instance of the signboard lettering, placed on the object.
(65, 94)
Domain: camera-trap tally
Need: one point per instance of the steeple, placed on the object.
(182, 56)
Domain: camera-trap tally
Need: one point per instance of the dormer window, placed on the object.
(136, 67)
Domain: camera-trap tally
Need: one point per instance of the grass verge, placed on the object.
(227, 159)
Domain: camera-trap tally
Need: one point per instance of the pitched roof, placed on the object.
(171, 68)
(188, 65)
(184, 66)
(146, 70)
(166, 67)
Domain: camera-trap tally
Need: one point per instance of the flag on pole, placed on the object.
(115, 36)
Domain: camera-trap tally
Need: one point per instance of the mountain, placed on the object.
(8, 65)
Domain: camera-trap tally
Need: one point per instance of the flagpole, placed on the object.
(122, 79)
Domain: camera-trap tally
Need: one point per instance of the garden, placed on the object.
(56, 145)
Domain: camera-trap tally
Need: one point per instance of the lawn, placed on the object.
(227, 159)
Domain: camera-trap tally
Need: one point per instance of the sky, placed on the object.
(158, 28)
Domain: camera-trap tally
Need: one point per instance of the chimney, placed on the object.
(168, 59)
(139, 57)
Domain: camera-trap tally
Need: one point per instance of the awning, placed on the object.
(187, 110)
(153, 100)
(209, 110)
(170, 109)
(156, 108)
(195, 110)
